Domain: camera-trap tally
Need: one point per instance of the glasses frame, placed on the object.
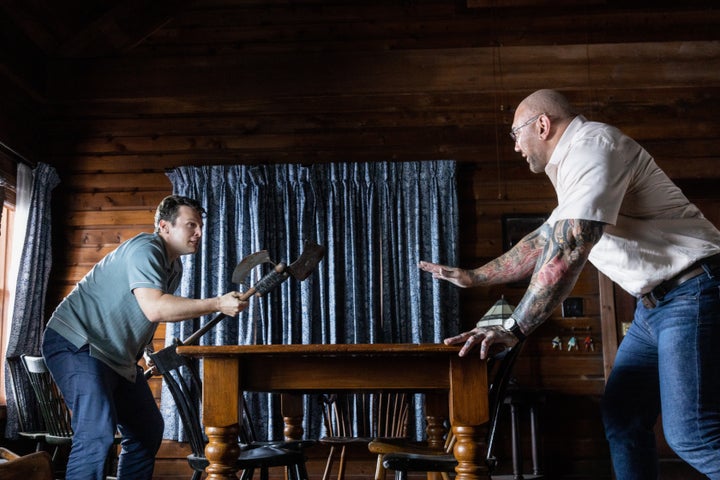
(514, 131)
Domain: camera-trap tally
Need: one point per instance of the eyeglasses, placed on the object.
(514, 131)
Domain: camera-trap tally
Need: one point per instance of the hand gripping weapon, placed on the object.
(300, 269)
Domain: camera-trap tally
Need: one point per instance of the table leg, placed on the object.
(220, 416)
(291, 408)
(436, 409)
(468, 452)
(468, 411)
(221, 451)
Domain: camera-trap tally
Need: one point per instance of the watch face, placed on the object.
(509, 323)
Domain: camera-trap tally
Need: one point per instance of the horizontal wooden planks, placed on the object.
(398, 72)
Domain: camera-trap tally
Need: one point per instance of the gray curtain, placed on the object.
(28, 315)
(376, 221)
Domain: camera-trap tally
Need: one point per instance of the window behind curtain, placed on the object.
(6, 222)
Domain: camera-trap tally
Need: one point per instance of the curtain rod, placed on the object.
(16, 156)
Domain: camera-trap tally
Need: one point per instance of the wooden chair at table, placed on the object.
(183, 382)
(57, 416)
(358, 418)
(500, 368)
(383, 446)
(34, 466)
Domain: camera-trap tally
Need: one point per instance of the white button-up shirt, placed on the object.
(653, 232)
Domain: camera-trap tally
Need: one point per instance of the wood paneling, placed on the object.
(246, 81)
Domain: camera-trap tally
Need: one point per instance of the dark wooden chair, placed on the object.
(523, 401)
(57, 416)
(500, 368)
(185, 386)
(34, 466)
(358, 418)
(30, 423)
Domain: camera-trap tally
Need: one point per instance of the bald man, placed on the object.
(618, 210)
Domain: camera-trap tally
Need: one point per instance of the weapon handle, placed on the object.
(203, 330)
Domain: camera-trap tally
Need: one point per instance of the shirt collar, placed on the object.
(563, 146)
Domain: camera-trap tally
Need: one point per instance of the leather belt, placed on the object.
(651, 299)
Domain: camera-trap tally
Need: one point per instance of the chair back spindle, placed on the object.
(54, 411)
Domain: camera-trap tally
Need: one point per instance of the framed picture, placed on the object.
(516, 225)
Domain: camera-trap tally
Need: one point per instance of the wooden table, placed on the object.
(292, 370)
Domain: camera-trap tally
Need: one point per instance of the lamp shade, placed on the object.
(496, 314)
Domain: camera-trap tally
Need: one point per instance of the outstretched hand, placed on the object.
(485, 337)
(454, 275)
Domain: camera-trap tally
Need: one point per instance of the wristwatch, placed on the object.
(511, 325)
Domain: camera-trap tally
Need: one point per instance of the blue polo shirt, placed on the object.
(102, 310)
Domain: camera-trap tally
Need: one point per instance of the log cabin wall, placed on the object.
(225, 82)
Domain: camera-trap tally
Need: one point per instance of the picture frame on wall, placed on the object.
(516, 225)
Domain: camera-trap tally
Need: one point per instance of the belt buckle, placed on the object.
(648, 301)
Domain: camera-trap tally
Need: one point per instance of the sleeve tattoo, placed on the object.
(558, 266)
(517, 263)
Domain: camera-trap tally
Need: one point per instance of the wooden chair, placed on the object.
(383, 446)
(55, 413)
(35, 466)
(500, 368)
(524, 400)
(357, 419)
(57, 416)
(183, 382)
(30, 423)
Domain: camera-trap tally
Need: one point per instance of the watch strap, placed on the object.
(515, 330)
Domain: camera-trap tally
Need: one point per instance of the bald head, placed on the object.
(550, 102)
(539, 122)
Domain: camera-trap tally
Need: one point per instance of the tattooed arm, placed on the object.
(516, 264)
(557, 270)
(563, 257)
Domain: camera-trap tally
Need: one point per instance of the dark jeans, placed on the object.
(669, 360)
(102, 401)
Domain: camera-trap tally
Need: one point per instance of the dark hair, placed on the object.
(168, 208)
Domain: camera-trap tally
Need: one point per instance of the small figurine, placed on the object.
(572, 344)
(556, 343)
(589, 344)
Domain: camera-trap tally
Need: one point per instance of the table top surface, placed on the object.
(375, 349)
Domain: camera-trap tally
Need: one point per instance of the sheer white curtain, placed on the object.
(23, 190)
(22, 201)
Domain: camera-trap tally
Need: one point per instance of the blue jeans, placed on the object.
(102, 401)
(669, 361)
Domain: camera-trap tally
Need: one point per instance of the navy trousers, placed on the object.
(102, 402)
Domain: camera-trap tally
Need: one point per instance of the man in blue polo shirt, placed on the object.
(99, 331)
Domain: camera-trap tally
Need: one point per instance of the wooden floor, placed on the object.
(171, 465)
(361, 466)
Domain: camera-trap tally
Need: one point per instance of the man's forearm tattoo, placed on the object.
(557, 269)
(516, 264)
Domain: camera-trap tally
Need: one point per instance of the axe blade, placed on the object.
(242, 271)
(308, 260)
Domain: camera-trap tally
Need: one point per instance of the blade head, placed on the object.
(242, 271)
(301, 268)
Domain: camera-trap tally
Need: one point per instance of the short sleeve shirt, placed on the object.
(102, 310)
(653, 231)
